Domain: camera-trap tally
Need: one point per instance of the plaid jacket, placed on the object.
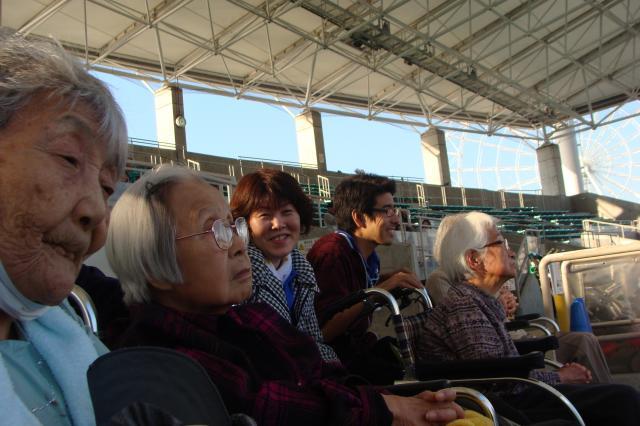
(268, 289)
(261, 365)
(469, 324)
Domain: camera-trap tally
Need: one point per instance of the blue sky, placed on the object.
(228, 127)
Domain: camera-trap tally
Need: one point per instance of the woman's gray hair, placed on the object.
(30, 66)
(457, 234)
(141, 240)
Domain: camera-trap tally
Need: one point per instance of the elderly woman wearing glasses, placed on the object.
(63, 144)
(468, 323)
(182, 261)
(277, 211)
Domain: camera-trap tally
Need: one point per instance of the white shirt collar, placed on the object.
(284, 270)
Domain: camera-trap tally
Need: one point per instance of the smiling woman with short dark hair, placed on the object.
(278, 212)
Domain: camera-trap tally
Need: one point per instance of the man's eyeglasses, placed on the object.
(388, 211)
(497, 242)
(223, 232)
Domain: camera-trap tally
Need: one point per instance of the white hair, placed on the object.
(141, 240)
(458, 234)
(30, 66)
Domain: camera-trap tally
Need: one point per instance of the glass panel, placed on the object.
(611, 288)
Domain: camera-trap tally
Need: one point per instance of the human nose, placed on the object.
(91, 208)
(98, 236)
(395, 218)
(238, 246)
(277, 222)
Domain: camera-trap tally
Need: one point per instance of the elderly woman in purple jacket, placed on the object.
(468, 323)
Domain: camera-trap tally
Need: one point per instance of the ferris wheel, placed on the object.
(496, 162)
(609, 156)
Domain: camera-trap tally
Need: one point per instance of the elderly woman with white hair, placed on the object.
(63, 144)
(468, 323)
(579, 347)
(183, 264)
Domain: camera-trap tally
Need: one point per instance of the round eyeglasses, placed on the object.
(223, 232)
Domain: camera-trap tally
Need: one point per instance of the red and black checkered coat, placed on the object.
(262, 366)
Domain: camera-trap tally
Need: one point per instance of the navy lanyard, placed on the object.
(372, 272)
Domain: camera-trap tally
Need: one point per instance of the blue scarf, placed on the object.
(68, 351)
(14, 304)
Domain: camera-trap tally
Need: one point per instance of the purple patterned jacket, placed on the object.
(469, 324)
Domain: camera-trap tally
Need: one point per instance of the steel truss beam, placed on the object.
(371, 42)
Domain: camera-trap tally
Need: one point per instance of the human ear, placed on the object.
(472, 258)
(160, 285)
(358, 219)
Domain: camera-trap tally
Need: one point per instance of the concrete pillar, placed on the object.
(571, 171)
(550, 168)
(170, 121)
(310, 140)
(434, 157)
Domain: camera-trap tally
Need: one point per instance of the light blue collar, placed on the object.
(14, 303)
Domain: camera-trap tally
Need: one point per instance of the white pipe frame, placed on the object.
(594, 253)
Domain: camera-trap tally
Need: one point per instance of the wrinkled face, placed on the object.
(379, 227)
(499, 262)
(54, 185)
(275, 231)
(213, 279)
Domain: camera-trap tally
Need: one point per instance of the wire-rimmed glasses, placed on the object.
(497, 242)
(223, 232)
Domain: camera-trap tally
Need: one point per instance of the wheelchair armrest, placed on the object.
(414, 388)
(540, 344)
(521, 322)
(373, 297)
(516, 324)
(404, 296)
(519, 366)
(340, 305)
(83, 305)
(527, 317)
(551, 325)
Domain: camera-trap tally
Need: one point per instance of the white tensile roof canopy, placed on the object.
(495, 64)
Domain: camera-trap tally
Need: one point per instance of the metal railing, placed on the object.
(610, 228)
(277, 163)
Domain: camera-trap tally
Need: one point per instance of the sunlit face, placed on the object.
(379, 227)
(213, 278)
(498, 261)
(54, 185)
(275, 231)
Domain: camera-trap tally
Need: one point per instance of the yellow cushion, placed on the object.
(472, 418)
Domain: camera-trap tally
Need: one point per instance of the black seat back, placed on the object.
(156, 378)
